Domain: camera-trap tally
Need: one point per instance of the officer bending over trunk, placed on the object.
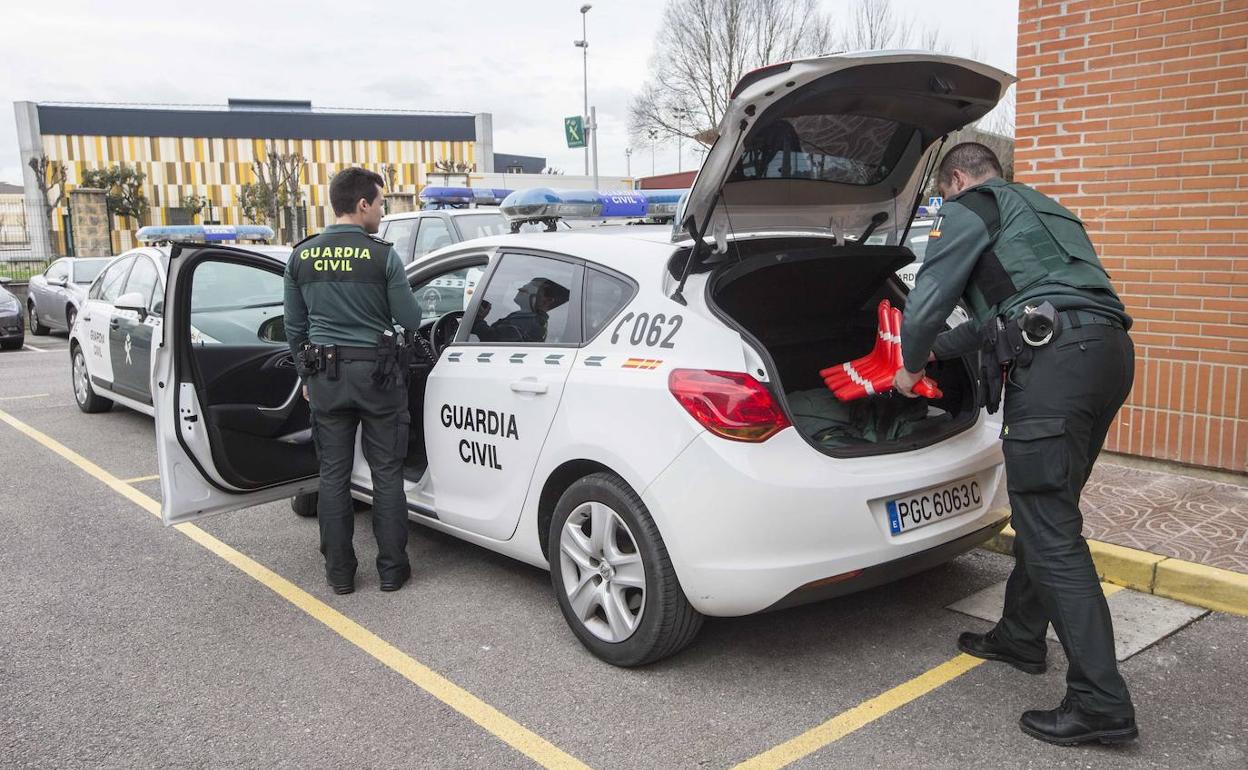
(345, 289)
(1053, 335)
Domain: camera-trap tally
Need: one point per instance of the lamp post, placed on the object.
(628, 162)
(583, 44)
(680, 114)
(654, 135)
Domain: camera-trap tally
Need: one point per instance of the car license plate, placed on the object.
(933, 504)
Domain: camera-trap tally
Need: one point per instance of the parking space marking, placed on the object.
(34, 349)
(492, 720)
(19, 398)
(137, 479)
(861, 715)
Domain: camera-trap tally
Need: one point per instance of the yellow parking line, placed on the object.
(861, 715)
(137, 479)
(499, 725)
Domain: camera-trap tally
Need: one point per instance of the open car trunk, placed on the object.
(807, 304)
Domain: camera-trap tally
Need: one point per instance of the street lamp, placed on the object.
(680, 136)
(583, 44)
(628, 160)
(654, 135)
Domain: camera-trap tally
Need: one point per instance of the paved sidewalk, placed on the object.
(1168, 513)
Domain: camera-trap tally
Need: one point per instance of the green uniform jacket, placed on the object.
(345, 287)
(969, 225)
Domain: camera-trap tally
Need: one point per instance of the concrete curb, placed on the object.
(1185, 581)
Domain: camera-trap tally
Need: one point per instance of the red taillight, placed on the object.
(729, 404)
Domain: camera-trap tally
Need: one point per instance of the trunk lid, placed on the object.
(824, 145)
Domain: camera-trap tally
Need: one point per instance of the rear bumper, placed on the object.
(12, 327)
(755, 527)
(870, 577)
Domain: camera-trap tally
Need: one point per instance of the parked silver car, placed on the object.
(55, 296)
(12, 331)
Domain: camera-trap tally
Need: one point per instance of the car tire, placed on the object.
(36, 327)
(305, 505)
(13, 344)
(661, 619)
(71, 315)
(85, 395)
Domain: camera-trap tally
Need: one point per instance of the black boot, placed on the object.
(1070, 725)
(988, 647)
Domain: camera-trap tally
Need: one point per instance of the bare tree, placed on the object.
(703, 49)
(50, 174)
(874, 25)
(390, 173)
(279, 188)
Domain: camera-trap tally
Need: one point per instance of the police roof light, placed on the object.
(446, 197)
(203, 233)
(542, 204)
(661, 205)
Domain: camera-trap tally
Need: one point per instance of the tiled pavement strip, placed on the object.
(1172, 514)
(1167, 532)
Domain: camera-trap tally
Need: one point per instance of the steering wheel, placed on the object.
(443, 331)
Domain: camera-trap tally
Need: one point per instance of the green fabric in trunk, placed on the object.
(874, 420)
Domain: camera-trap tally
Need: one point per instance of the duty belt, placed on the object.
(348, 353)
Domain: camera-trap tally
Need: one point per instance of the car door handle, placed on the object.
(529, 386)
(115, 323)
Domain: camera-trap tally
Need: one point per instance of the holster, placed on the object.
(386, 371)
(307, 360)
(329, 361)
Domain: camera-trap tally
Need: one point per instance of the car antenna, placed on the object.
(691, 224)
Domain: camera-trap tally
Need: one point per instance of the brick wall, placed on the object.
(1134, 113)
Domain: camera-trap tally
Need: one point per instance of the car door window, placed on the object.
(59, 271)
(143, 280)
(605, 295)
(111, 282)
(432, 235)
(528, 300)
(400, 233)
(231, 304)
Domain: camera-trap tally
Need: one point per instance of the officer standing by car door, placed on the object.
(1053, 335)
(345, 289)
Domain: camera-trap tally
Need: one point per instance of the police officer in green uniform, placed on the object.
(1053, 335)
(345, 289)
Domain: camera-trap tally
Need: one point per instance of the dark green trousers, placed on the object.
(339, 408)
(1057, 412)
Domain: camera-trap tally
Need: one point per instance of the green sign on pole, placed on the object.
(574, 131)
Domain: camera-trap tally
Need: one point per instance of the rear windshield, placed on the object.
(848, 149)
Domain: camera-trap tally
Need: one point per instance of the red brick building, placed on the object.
(1134, 113)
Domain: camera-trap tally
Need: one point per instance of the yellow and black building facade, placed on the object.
(210, 152)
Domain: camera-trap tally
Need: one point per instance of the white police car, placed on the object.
(640, 410)
(110, 346)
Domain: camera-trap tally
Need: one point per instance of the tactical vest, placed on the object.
(340, 257)
(1039, 242)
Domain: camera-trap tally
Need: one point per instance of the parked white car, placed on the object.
(640, 409)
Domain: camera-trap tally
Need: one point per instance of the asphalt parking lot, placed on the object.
(126, 644)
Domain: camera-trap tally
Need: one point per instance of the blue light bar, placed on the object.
(445, 197)
(489, 196)
(662, 204)
(204, 233)
(623, 204)
(542, 204)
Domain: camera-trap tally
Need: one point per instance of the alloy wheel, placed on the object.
(602, 571)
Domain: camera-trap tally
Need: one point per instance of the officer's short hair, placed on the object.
(972, 158)
(351, 184)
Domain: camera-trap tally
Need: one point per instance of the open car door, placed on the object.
(232, 427)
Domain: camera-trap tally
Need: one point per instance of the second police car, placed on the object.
(110, 342)
(640, 410)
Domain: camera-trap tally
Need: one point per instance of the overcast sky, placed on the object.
(509, 57)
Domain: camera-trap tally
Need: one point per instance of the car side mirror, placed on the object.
(61, 282)
(132, 301)
(273, 330)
